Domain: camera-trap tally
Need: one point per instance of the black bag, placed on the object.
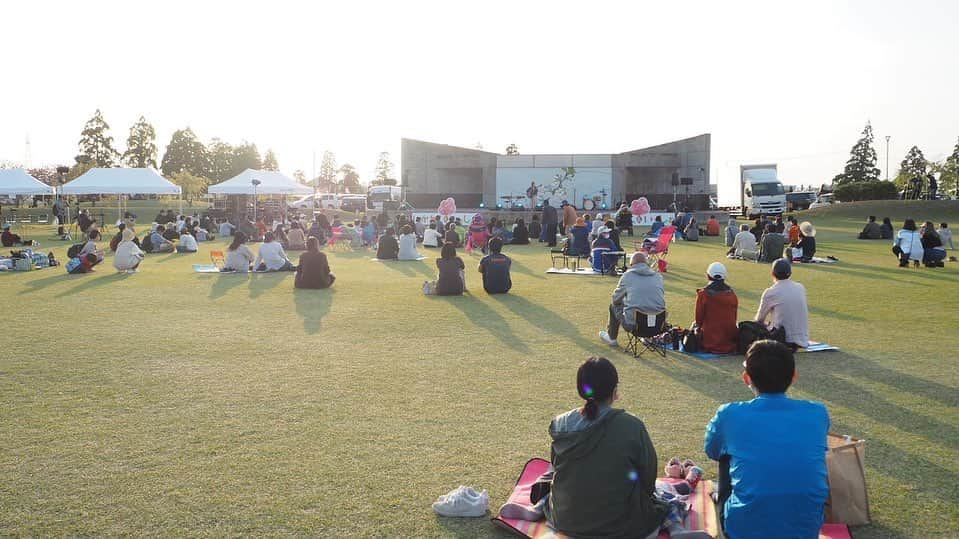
(74, 250)
(691, 342)
(147, 244)
(750, 332)
(896, 250)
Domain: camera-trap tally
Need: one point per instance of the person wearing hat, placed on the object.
(569, 217)
(783, 305)
(578, 243)
(128, 254)
(771, 451)
(716, 306)
(640, 290)
(807, 241)
(601, 245)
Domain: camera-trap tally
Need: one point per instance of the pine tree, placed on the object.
(269, 161)
(949, 179)
(96, 145)
(913, 166)
(861, 166)
(185, 153)
(141, 145)
(384, 170)
(221, 160)
(351, 179)
(326, 181)
(245, 156)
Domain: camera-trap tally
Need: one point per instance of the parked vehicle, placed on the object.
(800, 200)
(378, 194)
(323, 200)
(824, 200)
(761, 191)
(354, 203)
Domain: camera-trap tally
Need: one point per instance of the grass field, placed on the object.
(169, 403)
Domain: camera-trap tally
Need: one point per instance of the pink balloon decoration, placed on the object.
(639, 207)
(447, 207)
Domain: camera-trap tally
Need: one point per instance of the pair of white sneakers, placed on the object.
(462, 501)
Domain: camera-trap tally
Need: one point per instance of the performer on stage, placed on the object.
(531, 192)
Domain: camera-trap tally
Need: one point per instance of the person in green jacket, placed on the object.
(604, 469)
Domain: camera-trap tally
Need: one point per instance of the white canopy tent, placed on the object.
(120, 181)
(270, 183)
(16, 181)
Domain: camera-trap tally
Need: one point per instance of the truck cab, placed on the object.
(762, 192)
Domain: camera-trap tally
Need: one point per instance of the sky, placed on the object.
(791, 83)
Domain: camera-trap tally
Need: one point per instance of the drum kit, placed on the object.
(511, 197)
(595, 202)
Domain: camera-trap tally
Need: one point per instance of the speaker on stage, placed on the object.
(686, 181)
(675, 180)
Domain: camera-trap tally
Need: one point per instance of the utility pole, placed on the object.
(887, 157)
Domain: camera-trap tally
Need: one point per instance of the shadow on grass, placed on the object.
(312, 306)
(39, 284)
(483, 316)
(547, 321)
(519, 267)
(263, 282)
(408, 268)
(94, 282)
(813, 308)
(225, 281)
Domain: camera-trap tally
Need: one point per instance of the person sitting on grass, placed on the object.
(640, 292)
(761, 497)
(535, 229)
(772, 245)
(495, 269)
(945, 234)
(712, 226)
(603, 469)
(272, 257)
(783, 305)
(933, 251)
(793, 235)
(451, 235)
(128, 254)
(871, 230)
(159, 243)
(715, 319)
(90, 247)
(239, 257)
(731, 230)
(388, 248)
(744, 245)
(313, 270)
(187, 243)
(451, 279)
(691, 232)
(432, 238)
(170, 233)
(807, 241)
(520, 233)
(296, 240)
(82, 263)
(885, 229)
(407, 244)
(9, 239)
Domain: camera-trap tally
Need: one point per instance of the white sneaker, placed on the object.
(459, 503)
(604, 336)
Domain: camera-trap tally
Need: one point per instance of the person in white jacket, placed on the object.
(407, 244)
(744, 245)
(187, 243)
(908, 244)
(128, 255)
(272, 257)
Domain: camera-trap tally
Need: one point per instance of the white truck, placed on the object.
(761, 191)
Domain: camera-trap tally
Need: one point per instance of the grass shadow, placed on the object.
(547, 321)
(409, 268)
(519, 267)
(482, 315)
(37, 285)
(262, 282)
(312, 306)
(96, 282)
(225, 281)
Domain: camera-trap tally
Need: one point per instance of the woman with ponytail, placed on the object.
(604, 468)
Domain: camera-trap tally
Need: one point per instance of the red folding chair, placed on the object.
(656, 252)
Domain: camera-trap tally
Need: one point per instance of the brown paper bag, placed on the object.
(848, 499)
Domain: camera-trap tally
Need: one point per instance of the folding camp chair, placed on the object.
(339, 239)
(647, 326)
(217, 259)
(567, 256)
(656, 252)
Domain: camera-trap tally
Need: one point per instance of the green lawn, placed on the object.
(173, 403)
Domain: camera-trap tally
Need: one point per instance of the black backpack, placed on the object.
(74, 250)
(750, 332)
(147, 244)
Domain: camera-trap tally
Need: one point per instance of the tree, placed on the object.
(221, 156)
(192, 185)
(861, 166)
(269, 161)
(913, 166)
(512, 149)
(326, 181)
(185, 152)
(350, 179)
(141, 145)
(384, 170)
(949, 176)
(96, 145)
(299, 176)
(245, 156)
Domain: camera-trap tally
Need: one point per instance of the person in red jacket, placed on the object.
(716, 306)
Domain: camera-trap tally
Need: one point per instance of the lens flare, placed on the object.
(632, 475)
(588, 391)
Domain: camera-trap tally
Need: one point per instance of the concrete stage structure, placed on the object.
(680, 169)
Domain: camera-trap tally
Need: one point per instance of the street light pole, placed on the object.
(887, 157)
(255, 182)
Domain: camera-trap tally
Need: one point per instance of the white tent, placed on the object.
(120, 181)
(16, 181)
(271, 183)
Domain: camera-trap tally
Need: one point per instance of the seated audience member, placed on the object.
(451, 272)
(761, 496)
(313, 269)
(187, 243)
(201, 233)
(84, 222)
(780, 227)
(159, 219)
(535, 228)
(248, 228)
(170, 233)
(744, 245)
(239, 257)
(90, 247)
(691, 233)
(520, 233)
(885, 229)
(279, 234)
(624, 220)
(355, 234)
(793, 235)
(640, 292)
(478, 235)
(128, 254)
(783, 305)
(933, 251)
(772, 245)
(598, 249)
(591, 446)
(261, 228)
(597, 222)
(499, 230)
(272, 257)
(614, 235)
(369, 232)
(712, 226)
(82, 263)
(758, 230)
(407, 244)
(945, 234)
(716, 304)
(871, 230)
(732, 229)
(578, 243)
(388, 248)
(807, 241)
(419, 227)
(9, 239)
(656, 226)
(432, 238)
(451, 235)
(461, 231)
(908, 244)
(180, 223)
(226, 228)
(159, 243)
(495, 269)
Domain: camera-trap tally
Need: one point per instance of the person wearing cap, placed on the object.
(716, 306)
(771, 450)
(601, 245)
(128, 254)
(783, 305)
(578, 238)
(772, 245)
(807, 241)
(744, 245)
(569, 217)
(640, 290)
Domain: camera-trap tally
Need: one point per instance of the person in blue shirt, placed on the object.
(656, 226)
(578, 243)
(495, 269)
(771, 452)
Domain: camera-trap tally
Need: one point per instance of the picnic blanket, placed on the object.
(210, 268)
(374, 259)
(580, 271)
(813, 347)
(702, 513)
